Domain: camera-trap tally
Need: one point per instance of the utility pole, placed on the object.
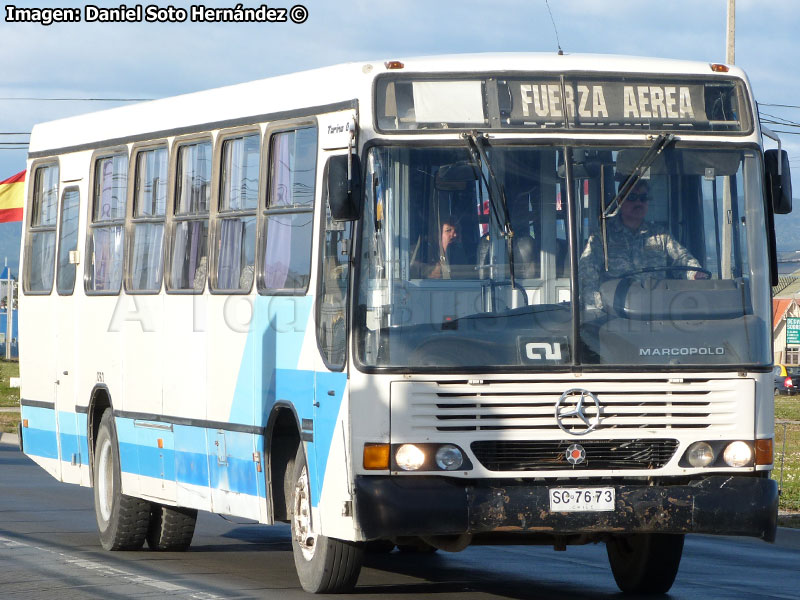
(727, 241)
(730, 54)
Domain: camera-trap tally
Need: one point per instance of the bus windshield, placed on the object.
(465, 259)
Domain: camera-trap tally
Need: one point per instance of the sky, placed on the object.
(154, 60)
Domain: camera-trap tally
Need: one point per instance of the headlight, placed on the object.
(449, 458)
(737, 454)
(700, 454)
(409, 458)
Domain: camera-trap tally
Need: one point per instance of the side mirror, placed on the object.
(778, 180)
(344, 187)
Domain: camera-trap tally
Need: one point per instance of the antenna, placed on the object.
(558, 43)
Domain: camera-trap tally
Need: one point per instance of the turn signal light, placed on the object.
(394, 64)
(764, 452)
(376, 456)
(718, 68)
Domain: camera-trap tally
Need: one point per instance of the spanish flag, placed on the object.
(11, 198)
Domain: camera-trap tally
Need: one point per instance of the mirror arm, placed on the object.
(774, 136)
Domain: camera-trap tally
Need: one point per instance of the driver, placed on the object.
(634, 247)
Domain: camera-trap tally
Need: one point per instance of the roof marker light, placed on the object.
(394, 64)
(719, 68)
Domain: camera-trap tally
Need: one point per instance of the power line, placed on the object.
(779, 105)
(32, 99)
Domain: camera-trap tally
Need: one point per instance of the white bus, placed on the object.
(401, 303)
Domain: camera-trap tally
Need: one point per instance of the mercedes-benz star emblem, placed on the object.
(575, 454)
(573, 407)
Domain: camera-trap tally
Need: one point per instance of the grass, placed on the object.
(787, 451)
(9, 397)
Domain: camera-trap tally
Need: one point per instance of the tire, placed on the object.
(122, 520)
(171, 528)
(645, 563)
(324, 565)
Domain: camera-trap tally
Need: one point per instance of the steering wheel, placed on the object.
(665, 268)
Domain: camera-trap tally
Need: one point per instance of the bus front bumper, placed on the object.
(388, 506)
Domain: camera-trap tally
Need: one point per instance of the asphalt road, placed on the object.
(49, 549)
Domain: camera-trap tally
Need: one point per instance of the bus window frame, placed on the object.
(172, 198)
(64, 192)
(132, 220)
(90, 223)
(30, 228)
(217, 216)
(320, 256)
(264, 210)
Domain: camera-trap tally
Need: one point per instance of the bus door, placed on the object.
(70, 424)
(330, 406)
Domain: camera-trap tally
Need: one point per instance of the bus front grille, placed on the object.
(508, 455)
(518, 406)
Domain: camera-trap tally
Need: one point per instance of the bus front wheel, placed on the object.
(324, 565)
(645, 563)
(122, 520)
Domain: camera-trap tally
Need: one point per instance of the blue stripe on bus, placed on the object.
(272, 350)
(270, 373)
(72, 435)
(40, 442)
(39, 437)
(183, 457)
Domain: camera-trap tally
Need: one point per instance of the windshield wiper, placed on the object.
(497, 198)
(657, 147)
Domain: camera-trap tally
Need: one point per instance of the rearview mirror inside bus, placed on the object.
(344, 187)
(779, 180)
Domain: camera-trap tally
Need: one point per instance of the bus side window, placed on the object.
(238, 202)
(289, 212)
(149, 208)
(189, 247)
(332, 300)
(68, 241)
(107, 230)
(40, 251)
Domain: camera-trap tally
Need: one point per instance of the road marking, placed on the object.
(104, 570)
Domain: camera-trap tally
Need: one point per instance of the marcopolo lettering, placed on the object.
(688, 351)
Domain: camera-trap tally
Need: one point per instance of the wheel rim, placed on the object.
(105, 480)
(301, 517)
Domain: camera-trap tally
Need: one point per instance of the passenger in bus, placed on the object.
(636, 248)
(447, 255)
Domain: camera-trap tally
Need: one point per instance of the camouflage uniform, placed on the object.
(649, 246)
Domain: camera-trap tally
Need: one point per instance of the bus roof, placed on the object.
(326, 88)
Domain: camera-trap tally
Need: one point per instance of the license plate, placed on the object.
(581, 499)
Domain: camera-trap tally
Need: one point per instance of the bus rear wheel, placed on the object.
(122, 520)
(324, 565)
(645, 563)
(171, 528)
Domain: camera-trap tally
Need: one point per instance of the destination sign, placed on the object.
(534, 101)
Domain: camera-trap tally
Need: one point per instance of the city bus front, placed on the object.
(561, 316)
